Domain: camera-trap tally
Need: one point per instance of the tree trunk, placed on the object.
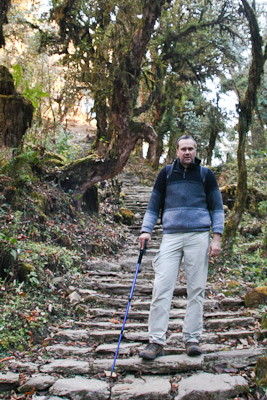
(215, 127)
(102, 137)
(211, 145)
(258, 140)
(15, 112)
(246, 107)
(4, 6)
(82, 174)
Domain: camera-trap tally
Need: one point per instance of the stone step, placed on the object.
(110, 331)
(211, 319)
(120, 289)
(143, 304)
(133, 348)
(173, 364)
(165, 365)
(175, 324)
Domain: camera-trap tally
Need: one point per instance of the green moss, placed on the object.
(261, 371)
(256, 296)
(264, 321)
(41, 256)
(233, 284)
(48, 156)
(128, 216)
(40, 202)
(26, 268)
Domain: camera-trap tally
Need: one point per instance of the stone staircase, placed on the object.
(77, 360)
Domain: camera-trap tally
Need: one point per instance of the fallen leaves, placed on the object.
(6, 359)
(114, 321)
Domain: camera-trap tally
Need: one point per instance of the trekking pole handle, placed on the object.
(144, 250)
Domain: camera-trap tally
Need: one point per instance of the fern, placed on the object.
(33, 94)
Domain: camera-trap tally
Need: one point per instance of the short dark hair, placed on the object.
(185, 137)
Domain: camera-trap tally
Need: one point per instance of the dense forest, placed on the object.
(134, 76)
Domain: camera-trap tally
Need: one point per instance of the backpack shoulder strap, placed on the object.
(203, 173)
(169, 169)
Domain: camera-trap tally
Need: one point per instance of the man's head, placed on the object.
(186, 150)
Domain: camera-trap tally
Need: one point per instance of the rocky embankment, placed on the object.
(76, 361)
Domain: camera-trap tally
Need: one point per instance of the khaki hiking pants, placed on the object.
(193, 246)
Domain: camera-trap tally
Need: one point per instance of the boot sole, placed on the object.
(148, 357)
(194, 353)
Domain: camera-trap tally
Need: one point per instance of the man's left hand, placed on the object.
(215, 245)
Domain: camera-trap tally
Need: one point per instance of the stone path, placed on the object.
(77, 360)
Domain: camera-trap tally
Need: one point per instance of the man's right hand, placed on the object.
(144, 236)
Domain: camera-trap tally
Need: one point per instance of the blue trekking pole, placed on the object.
(142, 252)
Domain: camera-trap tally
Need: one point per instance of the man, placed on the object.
(191, 202)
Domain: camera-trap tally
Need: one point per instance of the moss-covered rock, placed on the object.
(40, 202)
(256, 296)
(264, 321)
(128, 216)
(24, 270)
(261, 371)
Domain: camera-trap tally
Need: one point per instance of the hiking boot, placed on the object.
(193, 349)
(152, 351)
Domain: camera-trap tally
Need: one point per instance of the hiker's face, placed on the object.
(186, 152)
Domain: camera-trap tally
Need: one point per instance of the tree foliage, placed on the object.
(144, 64)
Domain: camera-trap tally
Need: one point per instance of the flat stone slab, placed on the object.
(125, 348)
(112, 325)
(205, 386)
(101, 335)
(156, 388)
(161, 365)
(39, 382)
(68, 350)
(66, 367)
(9, 381)
(178, 363)
(135, 336)
(103, 266)
(23, 366)
(207, 337)
(229, 322)
(80, 388)
(234, 358)
(73, 334)
(129, 264)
